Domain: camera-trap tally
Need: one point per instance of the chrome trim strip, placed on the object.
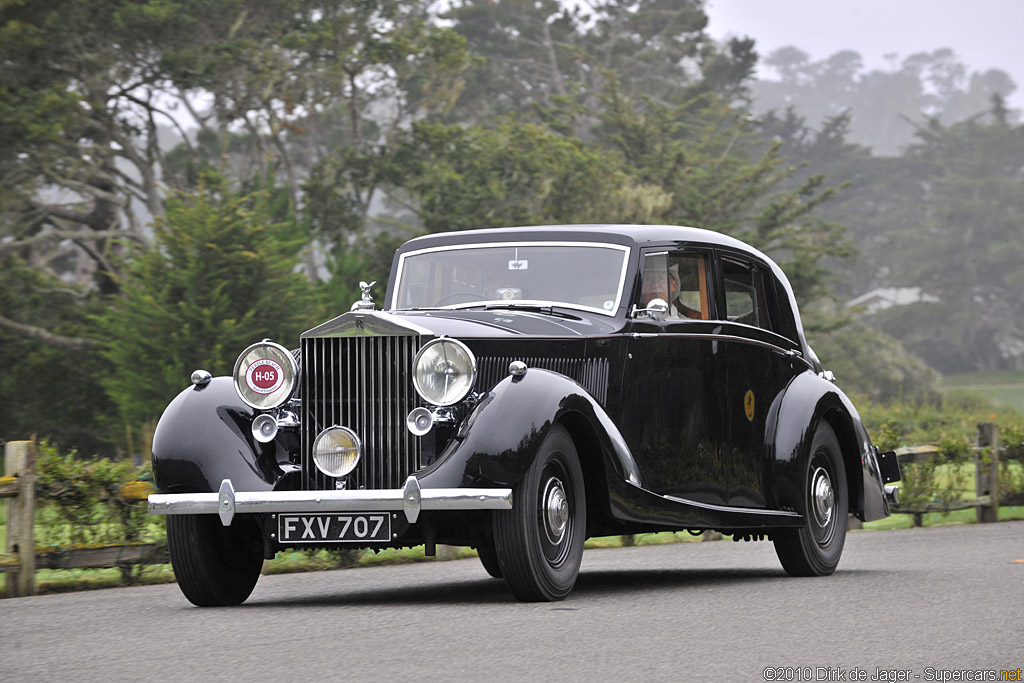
(533, 243)
(726, 508)
(714, 337)
(411, 500)
(367, 324)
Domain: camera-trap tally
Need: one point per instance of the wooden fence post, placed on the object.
(986, 474)
(20, 461)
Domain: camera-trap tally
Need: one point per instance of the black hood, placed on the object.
(464, 324)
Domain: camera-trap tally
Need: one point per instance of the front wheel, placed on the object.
(489, 559)
(215, 565)
(539, 542)
(815, 548)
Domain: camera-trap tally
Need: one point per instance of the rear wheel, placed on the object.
(539, 542)
(815, 548)
(215, 565)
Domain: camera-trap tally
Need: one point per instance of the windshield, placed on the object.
(574, 274)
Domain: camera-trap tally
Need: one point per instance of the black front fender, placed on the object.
(497, 443)
(204, 437)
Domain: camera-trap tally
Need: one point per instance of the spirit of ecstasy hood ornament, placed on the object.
(366, 302)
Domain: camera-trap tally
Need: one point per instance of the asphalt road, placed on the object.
(933, 602)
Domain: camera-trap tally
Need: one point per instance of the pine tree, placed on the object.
(220, 275)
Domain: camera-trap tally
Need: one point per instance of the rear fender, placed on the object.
(808, 400)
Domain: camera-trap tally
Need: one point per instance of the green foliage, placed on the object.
(1011, 465)
(220, 276)
(883, 100)
(941, 220)
(971, 259)
(515, 173)
(942, 478)
(545, 53)
(950, 423)
(868, 362)
(709, 160)
(83, 500)
(42, 387)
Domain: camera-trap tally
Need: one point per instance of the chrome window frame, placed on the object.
(535, 243)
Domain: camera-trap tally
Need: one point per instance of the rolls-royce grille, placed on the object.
(365, 384)
(589, 373)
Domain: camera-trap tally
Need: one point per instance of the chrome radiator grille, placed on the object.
(589, 373)
(365, 384)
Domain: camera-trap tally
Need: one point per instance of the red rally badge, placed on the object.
(264, 376)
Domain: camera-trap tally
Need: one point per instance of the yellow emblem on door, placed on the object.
(748, 405)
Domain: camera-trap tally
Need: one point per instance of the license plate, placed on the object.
(354, 527)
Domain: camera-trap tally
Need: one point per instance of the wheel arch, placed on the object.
(501, 437)
(842, 425)
(809, 400)
(203, 437)
(595, 473)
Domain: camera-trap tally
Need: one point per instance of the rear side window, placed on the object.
(745, 298)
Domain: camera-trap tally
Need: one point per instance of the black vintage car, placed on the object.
(523, 389)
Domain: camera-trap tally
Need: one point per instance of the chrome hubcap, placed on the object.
(556, 511)
(823, 498)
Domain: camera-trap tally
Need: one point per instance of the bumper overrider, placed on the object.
(410, 499)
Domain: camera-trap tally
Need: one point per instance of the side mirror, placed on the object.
(656, 309)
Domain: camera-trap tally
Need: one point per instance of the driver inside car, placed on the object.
(663, 283)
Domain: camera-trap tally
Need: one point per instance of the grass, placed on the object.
(1002, 388)
(952, 518)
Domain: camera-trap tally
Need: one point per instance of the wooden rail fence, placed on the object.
(20, 559)
(986, 478)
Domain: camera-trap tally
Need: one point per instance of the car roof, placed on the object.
(629, 235)
(638, 235)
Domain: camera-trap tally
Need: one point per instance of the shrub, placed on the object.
(84, 500)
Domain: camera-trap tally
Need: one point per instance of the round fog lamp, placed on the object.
(419, 421)
(336, 451)
(264, 428)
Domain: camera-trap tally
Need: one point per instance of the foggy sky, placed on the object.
(985, 34)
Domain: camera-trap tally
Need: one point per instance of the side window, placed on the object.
(681, 280)
(745, 300)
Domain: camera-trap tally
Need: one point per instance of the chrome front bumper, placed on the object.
(410, 499)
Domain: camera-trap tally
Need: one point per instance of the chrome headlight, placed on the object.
(444, 372)
(265, 375)
(336, 451)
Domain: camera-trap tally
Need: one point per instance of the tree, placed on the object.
(89, 90)
(50, 387)
(882, 102)
(220, 275)
(513, 173)
(712, 163)
(969, 205)
(550, 54)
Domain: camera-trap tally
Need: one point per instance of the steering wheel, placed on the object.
(452, 298)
